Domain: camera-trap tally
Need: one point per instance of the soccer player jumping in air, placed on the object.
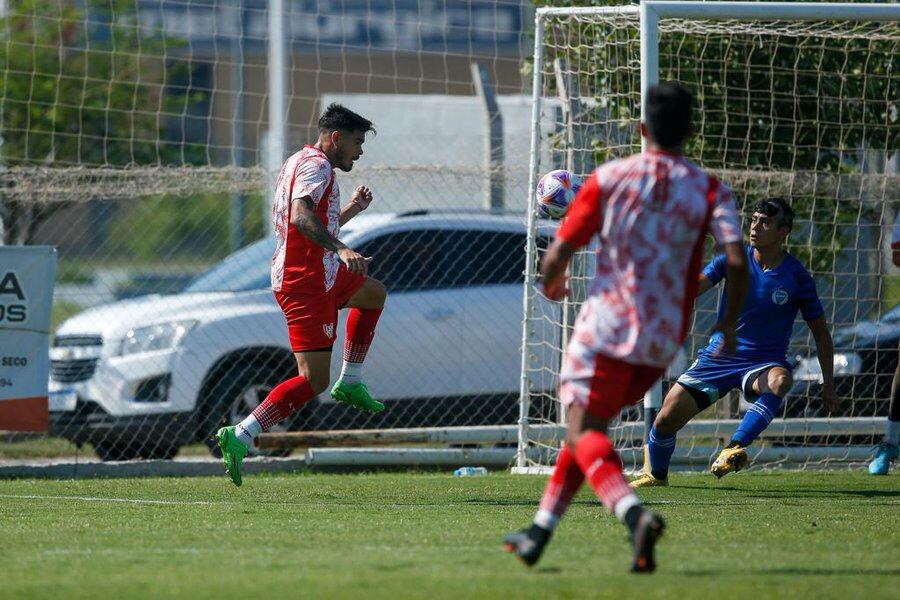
(314, 275)
(651, 212)
(779, 287)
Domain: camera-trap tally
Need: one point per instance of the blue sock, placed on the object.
(757, 418)
(661, 448)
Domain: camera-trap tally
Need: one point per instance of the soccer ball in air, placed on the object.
(555, 192)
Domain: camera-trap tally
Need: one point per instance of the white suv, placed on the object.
(143, 377)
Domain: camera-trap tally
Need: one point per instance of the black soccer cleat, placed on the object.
(527, 544)
(648, 530)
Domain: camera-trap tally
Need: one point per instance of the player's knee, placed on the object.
(665, 423)
(780, 382)
(378, 292)
(668, 420)
(318, 382)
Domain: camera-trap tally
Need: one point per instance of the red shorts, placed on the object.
(312, 316)
(611, 386)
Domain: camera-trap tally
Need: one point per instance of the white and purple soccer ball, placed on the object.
(555, 191)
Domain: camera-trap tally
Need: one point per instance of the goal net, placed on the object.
(804, 107)
(139, 139)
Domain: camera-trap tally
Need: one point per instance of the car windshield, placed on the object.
(247, 269)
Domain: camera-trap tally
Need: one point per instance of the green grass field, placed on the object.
(428, 535)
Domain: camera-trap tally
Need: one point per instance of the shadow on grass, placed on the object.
(794, 571)
(791, 492)
(548, 570)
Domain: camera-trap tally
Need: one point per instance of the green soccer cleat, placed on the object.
(233, 453)
(356, 394)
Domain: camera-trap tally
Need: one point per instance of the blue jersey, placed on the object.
(773, 299)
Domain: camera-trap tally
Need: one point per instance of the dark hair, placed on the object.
(668, 117)
(337, 116)
(772, 207)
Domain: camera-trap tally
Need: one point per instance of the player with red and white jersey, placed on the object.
(313, 276)
(651, 213)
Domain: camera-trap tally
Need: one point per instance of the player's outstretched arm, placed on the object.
(362, 197)
(553, 268)
(736, 273)
(825, 353)
(582, 222)
(304, 218)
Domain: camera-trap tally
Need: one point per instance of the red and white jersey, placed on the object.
(299, 264)
(652, 212)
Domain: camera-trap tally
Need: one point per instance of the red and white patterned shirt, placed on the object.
(299, 264)
(652, 212)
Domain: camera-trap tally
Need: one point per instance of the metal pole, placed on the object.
(649, 56)
(493, 140)
(237, 125)
(771, 11)
(531, 251)
(276, 138)
(649, 33)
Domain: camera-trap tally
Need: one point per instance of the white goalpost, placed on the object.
(795, 99)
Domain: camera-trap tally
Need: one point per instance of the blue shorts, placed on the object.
(715, 376)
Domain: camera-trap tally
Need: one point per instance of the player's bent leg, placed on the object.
(771, 386)
(679, 407)
(365, 305)
(602, 468)
(528, 543)
(284, 399)
(371, 295)
(889, 449)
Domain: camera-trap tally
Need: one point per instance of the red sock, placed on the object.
(564, 483)
(602, 468)
(360, 331)
(282, 401)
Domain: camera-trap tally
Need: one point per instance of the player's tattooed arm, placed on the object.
(303, 217)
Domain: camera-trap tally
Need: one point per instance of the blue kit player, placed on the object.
(779, 287)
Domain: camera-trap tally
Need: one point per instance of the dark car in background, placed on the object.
(865, 356)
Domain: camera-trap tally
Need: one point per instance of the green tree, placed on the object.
(193, 228)
(83, 85)
(789, 114)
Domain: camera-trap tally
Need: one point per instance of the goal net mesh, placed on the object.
(807, 111)
(134, 139)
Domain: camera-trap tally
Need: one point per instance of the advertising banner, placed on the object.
(27, 274)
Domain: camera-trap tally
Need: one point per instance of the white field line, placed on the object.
(106, 499)
(141, 501)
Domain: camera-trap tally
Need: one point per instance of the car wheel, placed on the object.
(247, 391)
(160, 452)
(117, 450)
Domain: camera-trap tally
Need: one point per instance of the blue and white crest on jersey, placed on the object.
(780, 296)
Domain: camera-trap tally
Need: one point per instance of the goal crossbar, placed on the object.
(761, 11)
